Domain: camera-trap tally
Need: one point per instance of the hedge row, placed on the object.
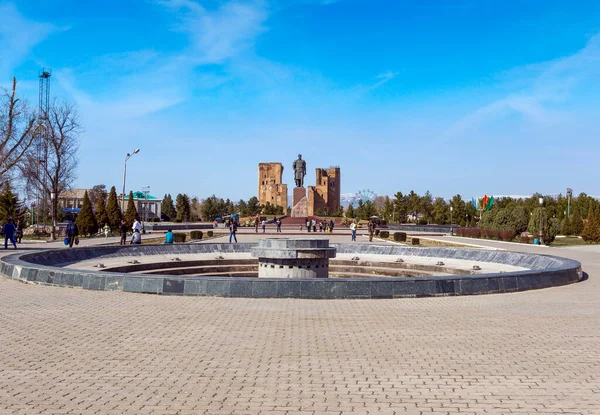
(196, 235)
(179, 237)
(400, 236)
(485, 233)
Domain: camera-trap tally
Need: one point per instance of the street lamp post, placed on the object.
(541, 200)
(146, 190)
(451, 209)
(53, 203)
(137, 150)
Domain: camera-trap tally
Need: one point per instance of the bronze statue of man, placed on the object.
(299, 171)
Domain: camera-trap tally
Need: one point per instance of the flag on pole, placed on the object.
(484, 202)
(473, 202)
(489, 204)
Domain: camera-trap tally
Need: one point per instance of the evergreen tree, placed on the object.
(520, 218)
(182, 206)
(565, 226)
(101, 215)
(167, 208)
(242, 207)
(10, 206)
(339, 212)
(539, 215)
(86, 221)
(552, 230)
(388, 209)
(576, 221)
(440, 211)
(503, 221)
(350, 212)
(253, 207)
(487, 220)
(589, 229)
(131, 212)
(112, 210)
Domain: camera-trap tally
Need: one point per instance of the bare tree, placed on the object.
(17, 128)
(54, 172)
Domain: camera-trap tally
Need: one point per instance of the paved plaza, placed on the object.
(70, 351)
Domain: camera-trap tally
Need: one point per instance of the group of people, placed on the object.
(324, 226)
(263, 223)
(371, 226)
(136, 228)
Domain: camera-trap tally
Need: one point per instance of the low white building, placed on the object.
(147, 206)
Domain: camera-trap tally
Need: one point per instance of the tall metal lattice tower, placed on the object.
(41, 142)
(44, 76)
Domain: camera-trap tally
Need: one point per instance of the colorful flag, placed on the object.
(473, 202)
(484, 201)
(489, 204)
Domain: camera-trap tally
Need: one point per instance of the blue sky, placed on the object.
(466, 97)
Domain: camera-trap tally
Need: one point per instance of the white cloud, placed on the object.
(535, 92)
(221, 34)
(18, 36)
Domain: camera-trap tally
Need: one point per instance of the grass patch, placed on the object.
(423, 242)
(568, 241)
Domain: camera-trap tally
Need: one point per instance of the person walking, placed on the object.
(19, 234)
(308, 225)
(233, 231)
(72, 231)
(320, 226)
(123, 232)
(106, 229)
(353, 229)
(279, 225)
(264, 225)
(9, 233)
(136, 238)
(256, 225)
(314, 225)
(331, 225)
(371, 227)
(137, 225)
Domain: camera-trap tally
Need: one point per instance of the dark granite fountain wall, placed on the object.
(47, 267)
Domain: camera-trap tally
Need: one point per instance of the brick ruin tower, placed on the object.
(270, 188)
(326, 194)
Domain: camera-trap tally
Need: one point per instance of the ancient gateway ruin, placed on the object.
(322, 198)
(270, 187)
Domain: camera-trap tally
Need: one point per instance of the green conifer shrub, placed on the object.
(131, 212)
(113, 211)
(86, 220)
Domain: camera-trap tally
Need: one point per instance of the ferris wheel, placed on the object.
(367, 195)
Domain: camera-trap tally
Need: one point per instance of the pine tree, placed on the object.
(86, 221)
(591, 230)
(10, 206)
(576, 221)
(131, 212)
(565, 226)
(350, 212)
(112, 210)
(101, 215)
(167, 209)
(182, 205)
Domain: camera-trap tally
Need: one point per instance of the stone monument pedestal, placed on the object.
(299, 203)
(293, 258)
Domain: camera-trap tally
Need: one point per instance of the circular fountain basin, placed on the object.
(363, 271)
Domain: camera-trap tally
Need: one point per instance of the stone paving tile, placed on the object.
(69, 351)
